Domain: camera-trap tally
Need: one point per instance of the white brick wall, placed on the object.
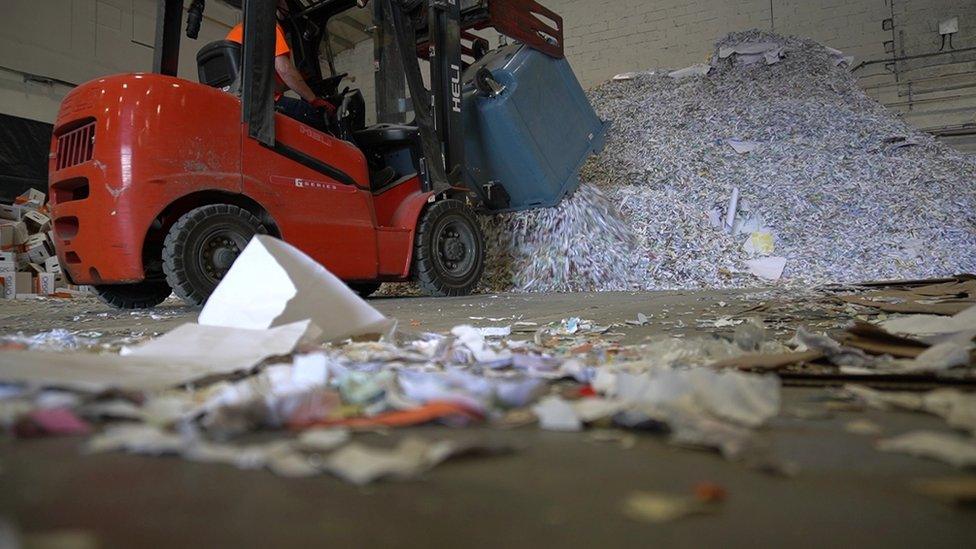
(76, 40)
(606, 37)
(358, 62)
(79, 40)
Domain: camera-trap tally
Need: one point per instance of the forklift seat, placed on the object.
(219, 65)
(390, 147)
(382, 135)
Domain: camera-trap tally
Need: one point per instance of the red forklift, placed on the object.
(157, 183)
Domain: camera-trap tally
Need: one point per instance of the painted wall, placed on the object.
(77, 40)
(607, 37)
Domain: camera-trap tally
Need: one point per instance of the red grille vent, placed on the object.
(76, 146)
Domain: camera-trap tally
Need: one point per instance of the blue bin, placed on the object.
(533, 137)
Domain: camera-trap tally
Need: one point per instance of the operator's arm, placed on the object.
(293, 79)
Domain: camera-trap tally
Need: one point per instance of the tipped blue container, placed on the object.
(534, 136)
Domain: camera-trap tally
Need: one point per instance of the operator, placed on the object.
(309, 108)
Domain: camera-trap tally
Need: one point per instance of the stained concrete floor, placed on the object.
(559, 489)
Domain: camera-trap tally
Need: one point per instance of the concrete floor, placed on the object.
(559, 489)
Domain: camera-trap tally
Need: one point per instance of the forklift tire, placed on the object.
(141, 295)
(364, 289)
(449, 251)
(201, 247)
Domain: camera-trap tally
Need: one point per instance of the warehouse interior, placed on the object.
(482, 272)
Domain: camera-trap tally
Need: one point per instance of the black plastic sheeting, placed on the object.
(24, 148)
(257, 97)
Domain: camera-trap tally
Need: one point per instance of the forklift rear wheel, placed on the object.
(364, 289)
(141, 295)
(201, 247)
(449, 253)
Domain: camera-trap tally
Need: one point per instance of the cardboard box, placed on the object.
(6, 235)
(7, 281)
(37, 222)
(11, 212)
(24, 283)
(45, 283)
(37, 248)
(33, 199)
(52, 265)
(8, 262)
(20, 234)
(16, 283)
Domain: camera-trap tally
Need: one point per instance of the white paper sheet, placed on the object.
(273, 283)
(942, 356)
(323, 439)
(556, 414)
(956, 407)
(744, 399)
(743, 147)
(752, 52)
(948, 447)
(361, 464)
(923, 325)
(222, 348)
(769, 268)
(700, 69)
(187, 353)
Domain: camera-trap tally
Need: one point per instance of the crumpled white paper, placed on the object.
(273, 283)
(220, 349)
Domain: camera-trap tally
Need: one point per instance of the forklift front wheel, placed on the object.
(449, 252)
(141, 295)
(201, 247)
(364, 289)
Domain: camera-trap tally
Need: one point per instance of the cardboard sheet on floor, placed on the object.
(937, 297)
(874, 340)
(923, 306)
(273, 283)
(767, 361)
(188, 353)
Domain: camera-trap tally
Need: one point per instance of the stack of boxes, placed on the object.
(28, 265)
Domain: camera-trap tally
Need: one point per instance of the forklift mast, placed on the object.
(430, 29)
(444, 22)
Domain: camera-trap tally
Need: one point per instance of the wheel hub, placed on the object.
(453, 249)
(224, 258)
(219, 253)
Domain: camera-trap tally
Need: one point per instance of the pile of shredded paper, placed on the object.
(769, 163)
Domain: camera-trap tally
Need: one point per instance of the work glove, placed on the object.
(320, 103)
